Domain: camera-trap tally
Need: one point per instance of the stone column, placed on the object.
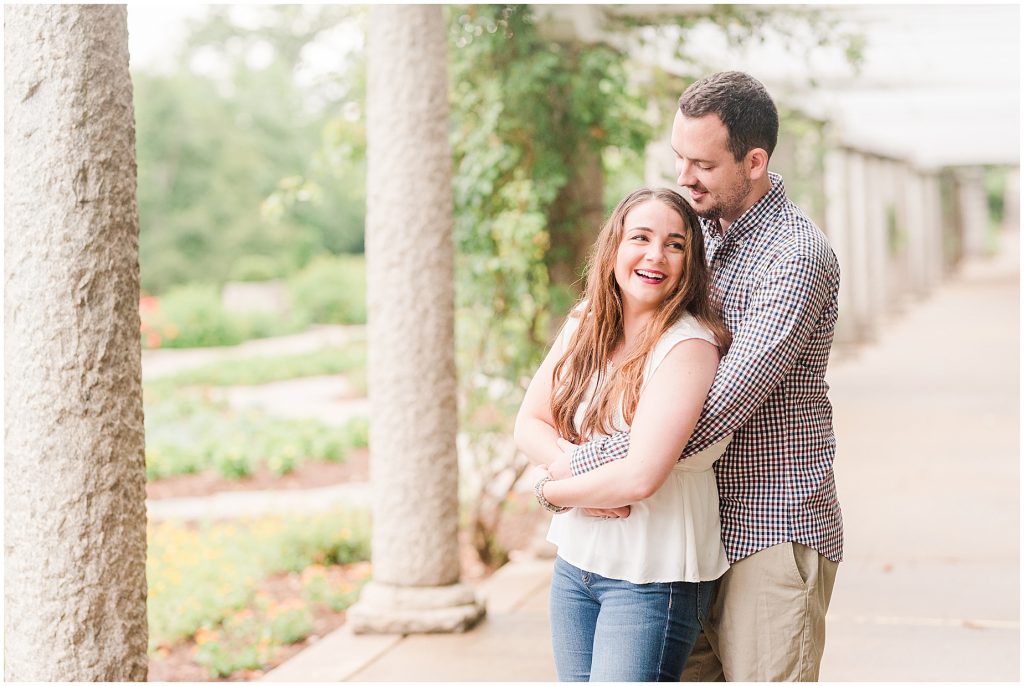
(411, 357)
(973, 211)
(935, 232)
(899, 253)
(860, 277)
(917, 228)
(876, 209)
(74, 466)
(837, 228)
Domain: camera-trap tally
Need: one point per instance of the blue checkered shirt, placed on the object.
(778, 282)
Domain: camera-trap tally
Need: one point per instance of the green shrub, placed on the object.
(357, 432)
(192, 316)
(256, 268)
(331, 290)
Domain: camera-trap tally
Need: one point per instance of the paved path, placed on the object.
(245, 504)
(167, 361)
(927, 424)
(928, 475)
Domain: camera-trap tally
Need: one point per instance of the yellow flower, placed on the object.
(204, 635)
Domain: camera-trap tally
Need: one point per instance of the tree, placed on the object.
(240, 157)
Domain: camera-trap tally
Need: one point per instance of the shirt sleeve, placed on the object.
(781, 317)
(598, 452)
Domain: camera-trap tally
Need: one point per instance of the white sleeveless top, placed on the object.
(674, 535)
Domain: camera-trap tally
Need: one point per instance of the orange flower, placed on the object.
(149, 303)
(204, 635)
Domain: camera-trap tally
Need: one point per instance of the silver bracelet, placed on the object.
(538, 489)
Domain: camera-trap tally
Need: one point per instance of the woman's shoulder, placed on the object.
(684, 328)
(572, 322)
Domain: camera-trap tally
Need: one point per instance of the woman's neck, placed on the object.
(633, 325)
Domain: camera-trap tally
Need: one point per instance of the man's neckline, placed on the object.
(746, 221)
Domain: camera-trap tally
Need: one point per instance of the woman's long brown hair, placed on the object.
(601, 324)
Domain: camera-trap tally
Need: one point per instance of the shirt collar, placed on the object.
(754, 216)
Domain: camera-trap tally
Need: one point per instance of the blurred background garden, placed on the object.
(250, 136)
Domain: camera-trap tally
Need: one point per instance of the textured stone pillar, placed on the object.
(899, 253)
(973, 211)
(411, 356)
(860, 276)
(74, 466)
(935, 232)
(917, 228)
(876, 208)
(837, 227)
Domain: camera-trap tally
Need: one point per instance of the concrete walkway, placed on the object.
(244, 504)
(928, 475)
(167, 361)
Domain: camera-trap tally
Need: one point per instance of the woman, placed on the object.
(638, 353)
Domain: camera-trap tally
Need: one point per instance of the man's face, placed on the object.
(718, 185)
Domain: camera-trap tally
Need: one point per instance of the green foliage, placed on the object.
(245, 159)
(198, 578)
(187, 433)
(522, 107)
(995, 193)
(256, 268)
(250, 371)
(318, 588)
(249, 638)
(192, 316)
(357, 433)
(331, 290)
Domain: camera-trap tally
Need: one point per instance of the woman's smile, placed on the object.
(650, 276)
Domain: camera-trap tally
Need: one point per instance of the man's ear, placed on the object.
(757, 164)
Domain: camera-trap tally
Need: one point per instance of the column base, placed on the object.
(388, 609)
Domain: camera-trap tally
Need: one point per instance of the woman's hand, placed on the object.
(562, 467)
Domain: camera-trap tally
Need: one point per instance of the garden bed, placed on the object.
(179, 662)
(290, 591)
(313, 474)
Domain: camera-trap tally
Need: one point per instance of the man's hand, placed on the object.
(608, 513)
(560, 469)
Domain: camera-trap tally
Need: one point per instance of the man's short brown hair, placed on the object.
(743, 105)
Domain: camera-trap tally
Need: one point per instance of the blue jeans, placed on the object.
(612, 630)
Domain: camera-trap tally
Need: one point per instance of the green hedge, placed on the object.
(331, 290)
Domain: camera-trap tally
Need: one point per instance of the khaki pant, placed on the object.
(767, 622)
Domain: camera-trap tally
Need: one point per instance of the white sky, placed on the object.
(155, 29)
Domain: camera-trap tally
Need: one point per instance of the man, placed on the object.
(777, 280)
